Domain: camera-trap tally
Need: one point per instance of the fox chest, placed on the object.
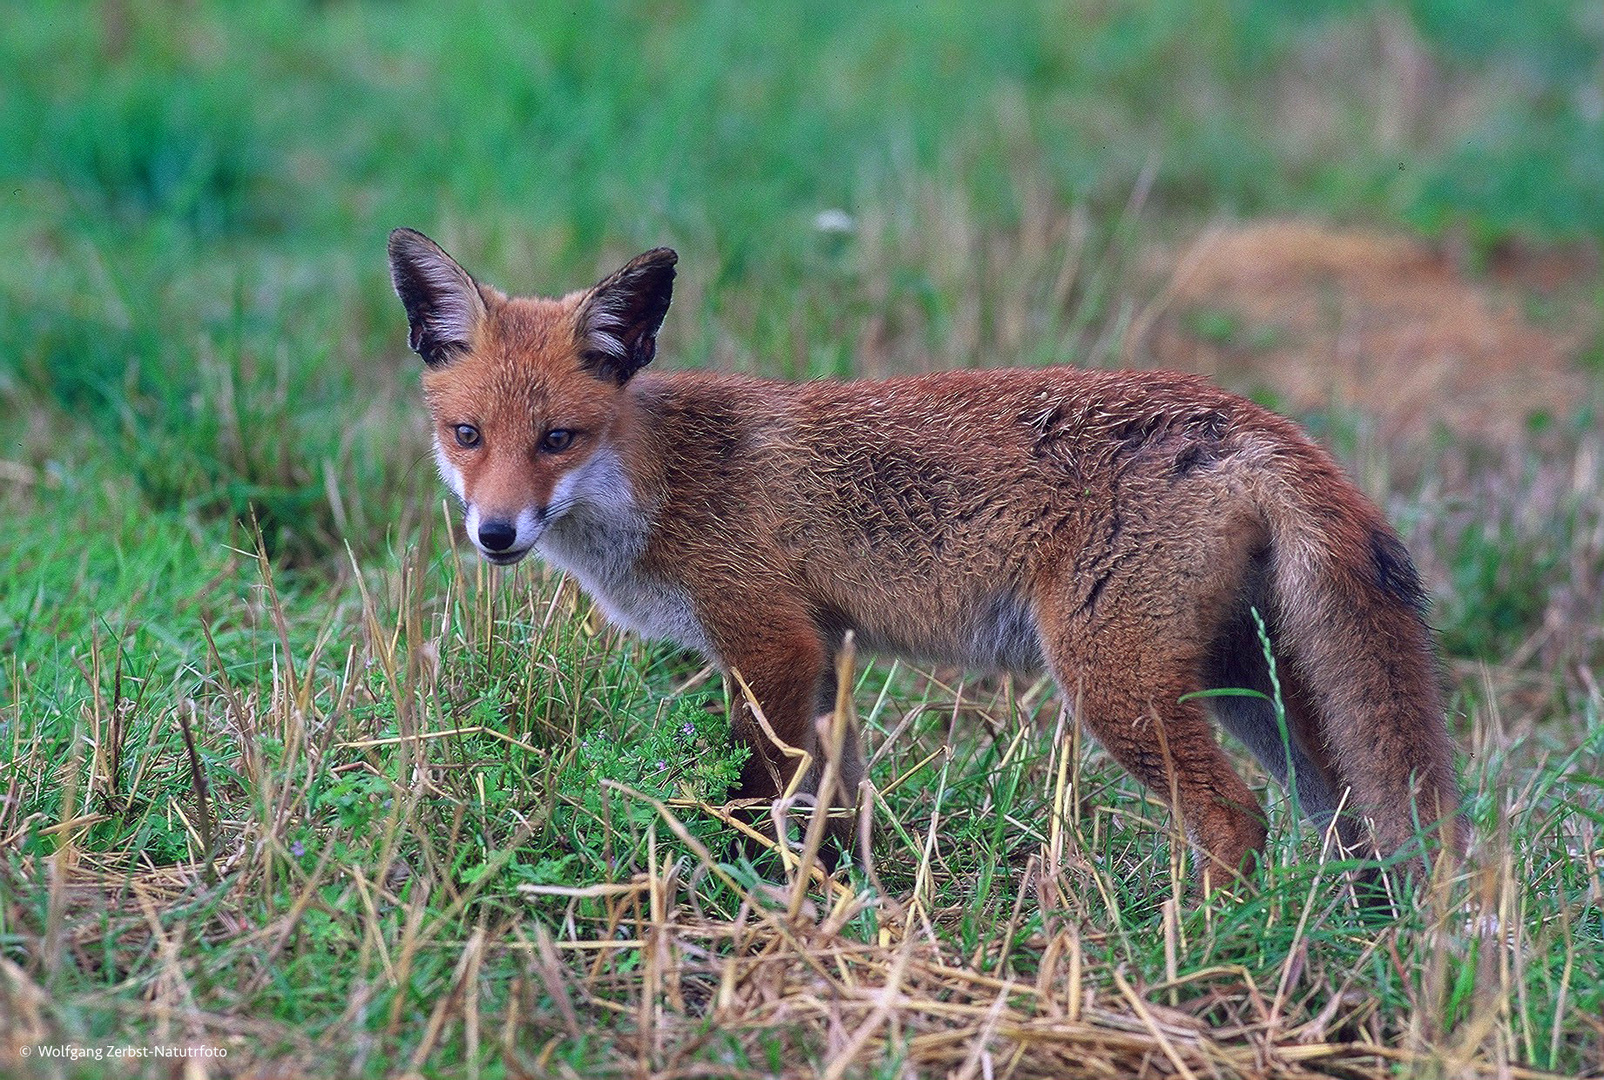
(604, 557)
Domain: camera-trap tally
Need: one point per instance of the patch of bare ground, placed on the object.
(1390, 325)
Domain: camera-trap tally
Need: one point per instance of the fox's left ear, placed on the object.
(443, 303)
(619, 320)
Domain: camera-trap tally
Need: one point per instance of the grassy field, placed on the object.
(286, 773)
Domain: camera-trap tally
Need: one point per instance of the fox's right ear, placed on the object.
(443, 303)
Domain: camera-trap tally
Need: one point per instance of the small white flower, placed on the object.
(833, 221)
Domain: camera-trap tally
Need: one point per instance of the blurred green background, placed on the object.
(195, 195)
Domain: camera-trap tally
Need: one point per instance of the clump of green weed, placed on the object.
(601, 823)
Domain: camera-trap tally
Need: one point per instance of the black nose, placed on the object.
(497, 535)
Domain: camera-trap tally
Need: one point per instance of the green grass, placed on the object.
(281, 772)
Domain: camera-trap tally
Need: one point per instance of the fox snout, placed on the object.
(501, 537)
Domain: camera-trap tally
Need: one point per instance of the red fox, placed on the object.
(1119, 530)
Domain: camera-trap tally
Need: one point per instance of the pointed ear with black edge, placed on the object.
(443, 302)
(619, 320)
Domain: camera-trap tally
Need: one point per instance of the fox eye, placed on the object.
(557, 440)
(467, 436)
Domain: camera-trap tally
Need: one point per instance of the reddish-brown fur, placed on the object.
(1116, 527)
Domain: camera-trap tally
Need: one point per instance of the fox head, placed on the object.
(523, 392)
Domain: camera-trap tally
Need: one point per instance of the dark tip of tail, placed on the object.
(1395, 573)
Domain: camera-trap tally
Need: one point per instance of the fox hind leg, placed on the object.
(1129, 682)
(1236, 661)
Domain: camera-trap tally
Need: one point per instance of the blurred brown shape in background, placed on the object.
(1319, 316)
